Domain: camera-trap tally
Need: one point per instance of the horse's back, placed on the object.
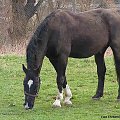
(84, 34)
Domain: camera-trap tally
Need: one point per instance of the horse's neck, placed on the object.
(36, 53)
(34, 60)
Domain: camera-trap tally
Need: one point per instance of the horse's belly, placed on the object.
(80, 55)
(85, 51)
(86, 46)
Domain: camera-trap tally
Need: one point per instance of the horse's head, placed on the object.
(31, 86)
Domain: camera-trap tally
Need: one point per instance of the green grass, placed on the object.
(82, 79)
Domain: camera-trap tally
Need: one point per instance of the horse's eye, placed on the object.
(34, 87)
(35, 90)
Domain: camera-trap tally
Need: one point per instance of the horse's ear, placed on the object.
(24, 68)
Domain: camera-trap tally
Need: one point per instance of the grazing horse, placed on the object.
(64, 34)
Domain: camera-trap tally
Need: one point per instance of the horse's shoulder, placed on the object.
(62, 13)
(60, 17)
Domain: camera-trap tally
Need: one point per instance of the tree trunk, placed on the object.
(21, 13)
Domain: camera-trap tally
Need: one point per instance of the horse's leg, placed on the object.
(60, 64)
(101, 69)
(68, 93)
(59, 97)
(116, 53)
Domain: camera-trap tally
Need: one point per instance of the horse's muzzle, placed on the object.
(29, 102)
(28, 106)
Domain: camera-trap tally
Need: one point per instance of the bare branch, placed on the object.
(30, 8)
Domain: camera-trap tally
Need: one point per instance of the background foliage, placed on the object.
(19, 18)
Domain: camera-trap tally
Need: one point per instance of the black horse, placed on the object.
(65, 34)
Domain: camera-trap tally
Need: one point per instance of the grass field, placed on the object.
(82, 78)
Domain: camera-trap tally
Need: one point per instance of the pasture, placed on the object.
(82, 79)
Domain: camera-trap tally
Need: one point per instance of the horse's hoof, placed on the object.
(118, 99)
(68, 103)
(56, 104)
(96, 98)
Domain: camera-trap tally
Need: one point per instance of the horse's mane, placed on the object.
(37, 38)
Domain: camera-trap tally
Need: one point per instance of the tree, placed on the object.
(22, 11)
